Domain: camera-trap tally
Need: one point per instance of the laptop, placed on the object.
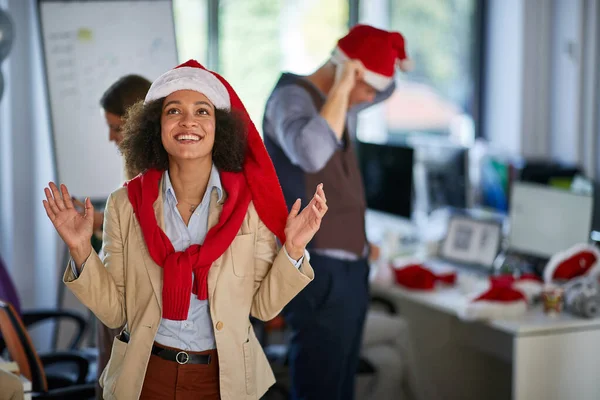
(471, 244)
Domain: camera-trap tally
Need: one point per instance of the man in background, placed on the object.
(308, 125)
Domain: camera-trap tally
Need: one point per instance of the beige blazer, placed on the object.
(251, 277)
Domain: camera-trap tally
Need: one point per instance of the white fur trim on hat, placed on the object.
(486, 309)
(405, 65)
(190, 78)
(530, 288)
(559, 257)
(378, 81)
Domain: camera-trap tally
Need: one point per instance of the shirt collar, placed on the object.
(214, 182)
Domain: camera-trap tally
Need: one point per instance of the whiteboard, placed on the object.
(87, 46)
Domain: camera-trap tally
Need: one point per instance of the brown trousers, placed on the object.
(168, 380)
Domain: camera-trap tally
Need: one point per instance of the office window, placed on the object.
(438, 97)
(191, 21)
(260, 38)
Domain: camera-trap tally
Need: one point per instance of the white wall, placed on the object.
(542, 89)
(503, 104)
(565, 67)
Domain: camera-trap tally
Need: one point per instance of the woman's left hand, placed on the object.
(300, 228)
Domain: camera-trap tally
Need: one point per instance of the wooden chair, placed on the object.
(21, 351)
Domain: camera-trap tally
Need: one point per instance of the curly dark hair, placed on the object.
(142, 146)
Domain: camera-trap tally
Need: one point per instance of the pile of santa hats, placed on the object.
(506, 296)
(509, 297)
(503, 297)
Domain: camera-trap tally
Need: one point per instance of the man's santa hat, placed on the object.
(579, 260)
(505, 297)
(380, 52)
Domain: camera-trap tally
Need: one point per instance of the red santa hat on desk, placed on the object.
(416, 276)
(380, 52)
(579, 260)
(505, 297)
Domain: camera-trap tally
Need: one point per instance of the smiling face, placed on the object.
(188, 126)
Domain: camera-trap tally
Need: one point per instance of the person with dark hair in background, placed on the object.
(190, 248)
(115, 102)
(308, 126)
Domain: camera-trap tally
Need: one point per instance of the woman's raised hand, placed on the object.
(302, 226)
(74, 228)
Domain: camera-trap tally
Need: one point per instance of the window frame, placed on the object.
(478, 59)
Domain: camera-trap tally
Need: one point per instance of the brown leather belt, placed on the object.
(181, 357)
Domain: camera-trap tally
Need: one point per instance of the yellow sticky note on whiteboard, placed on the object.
(84, 35)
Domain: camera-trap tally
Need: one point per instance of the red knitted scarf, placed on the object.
(178, 266)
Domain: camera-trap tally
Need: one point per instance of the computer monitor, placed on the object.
(387, 172)
(441, 175)
(545, 220)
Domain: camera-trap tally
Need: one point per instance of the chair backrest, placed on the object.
(8, 291)
(20, 348)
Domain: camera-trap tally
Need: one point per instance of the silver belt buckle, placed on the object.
(182, 357)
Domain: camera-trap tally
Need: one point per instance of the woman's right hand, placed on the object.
(74, 228)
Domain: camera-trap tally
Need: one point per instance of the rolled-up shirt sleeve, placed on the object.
(303, 135)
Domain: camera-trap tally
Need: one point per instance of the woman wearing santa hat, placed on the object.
(190, 246)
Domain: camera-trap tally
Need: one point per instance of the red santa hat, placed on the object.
(579, 260)
(505, 297)
(418, 277)
(258, 168)
(191, 75)
(380, 52)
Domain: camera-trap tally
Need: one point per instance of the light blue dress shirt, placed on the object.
(196, 332)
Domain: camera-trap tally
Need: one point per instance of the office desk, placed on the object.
(533, 357)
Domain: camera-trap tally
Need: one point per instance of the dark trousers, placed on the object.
(327, 320)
